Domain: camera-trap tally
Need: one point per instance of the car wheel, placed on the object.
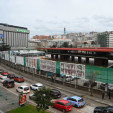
(76, 106)
(16, 90)
(63, 110)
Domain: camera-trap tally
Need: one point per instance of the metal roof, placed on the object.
(93, 49)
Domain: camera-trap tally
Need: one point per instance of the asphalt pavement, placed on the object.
(8, 100)
(85, 94)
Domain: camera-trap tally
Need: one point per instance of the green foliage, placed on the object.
(26, 109)
(4, 47)
(43, 99)
(65, 44)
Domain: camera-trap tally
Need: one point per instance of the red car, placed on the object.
(5, 73)
(19, 79)
(62, 105)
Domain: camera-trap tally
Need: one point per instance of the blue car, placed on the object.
(75, 101)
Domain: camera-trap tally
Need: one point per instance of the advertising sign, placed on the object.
(20, 60)
(77, 70)
(30, 62)
(1, 38)
(22, 99)
(48, 65)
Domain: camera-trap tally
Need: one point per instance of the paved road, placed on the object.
(88, 108)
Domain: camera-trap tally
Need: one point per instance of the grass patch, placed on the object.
(26, 109)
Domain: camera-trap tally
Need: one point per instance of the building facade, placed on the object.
(105, 39)
(14, 36)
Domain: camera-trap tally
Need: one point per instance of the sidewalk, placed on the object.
(78, 92)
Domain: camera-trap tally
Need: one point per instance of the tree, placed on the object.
(65, 44)
(43, 99)
(4, 47)
(92, 82)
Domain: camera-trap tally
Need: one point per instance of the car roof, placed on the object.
(54, 90)
(4, 77)
(9, 80)
(39, 84)
(24, 86)
(76, 97)
(19, 76)
(63, 101)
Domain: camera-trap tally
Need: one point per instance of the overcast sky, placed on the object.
(49, 17)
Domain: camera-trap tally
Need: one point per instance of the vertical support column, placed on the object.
(52, 56)
(56, 56)
(72, 58)
(87, 60)
(79, 59)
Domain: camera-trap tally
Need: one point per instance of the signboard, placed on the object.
(1, 38)
(22, 99)
(21, 30)
(77, 70)
(30, 62)
(12, 58)
(20, 60)
(48, 65)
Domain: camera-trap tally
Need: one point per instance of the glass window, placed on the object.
(81, 100)
(68, 104)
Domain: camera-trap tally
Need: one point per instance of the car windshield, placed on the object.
(81, 100)
(56, 91)
(68, 104)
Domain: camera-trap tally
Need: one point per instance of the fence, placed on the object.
(78, 70)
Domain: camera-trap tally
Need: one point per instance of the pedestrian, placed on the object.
(103, 94)
(109, 94)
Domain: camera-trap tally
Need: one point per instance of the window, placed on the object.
(68, 104)
(81, 100)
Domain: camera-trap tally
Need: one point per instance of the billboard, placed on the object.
(76, 70)
(22, 99)
(1, 38)
(48, 65)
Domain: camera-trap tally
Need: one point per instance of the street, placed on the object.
(88, 108)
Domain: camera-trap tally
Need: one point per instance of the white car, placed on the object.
(3, 78)
(36, 86)
(23, 89)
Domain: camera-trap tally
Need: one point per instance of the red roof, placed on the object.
(93, 49)
(63, 101)
(40, 37)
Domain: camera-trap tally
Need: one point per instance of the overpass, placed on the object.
(101, 55)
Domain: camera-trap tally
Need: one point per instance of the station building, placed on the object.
(14, 36)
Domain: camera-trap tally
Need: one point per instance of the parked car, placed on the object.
(62, 105)
(2, 79)
(102, 86)
(75, 101)
(1, 70)
(36, 86)
(23, 89)
(4, 73)
(9, 83)
(69, 78)
(32, 96)
(101, 109)
(87, 84)
(11, 76)
(55, 93)
(19, 79)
